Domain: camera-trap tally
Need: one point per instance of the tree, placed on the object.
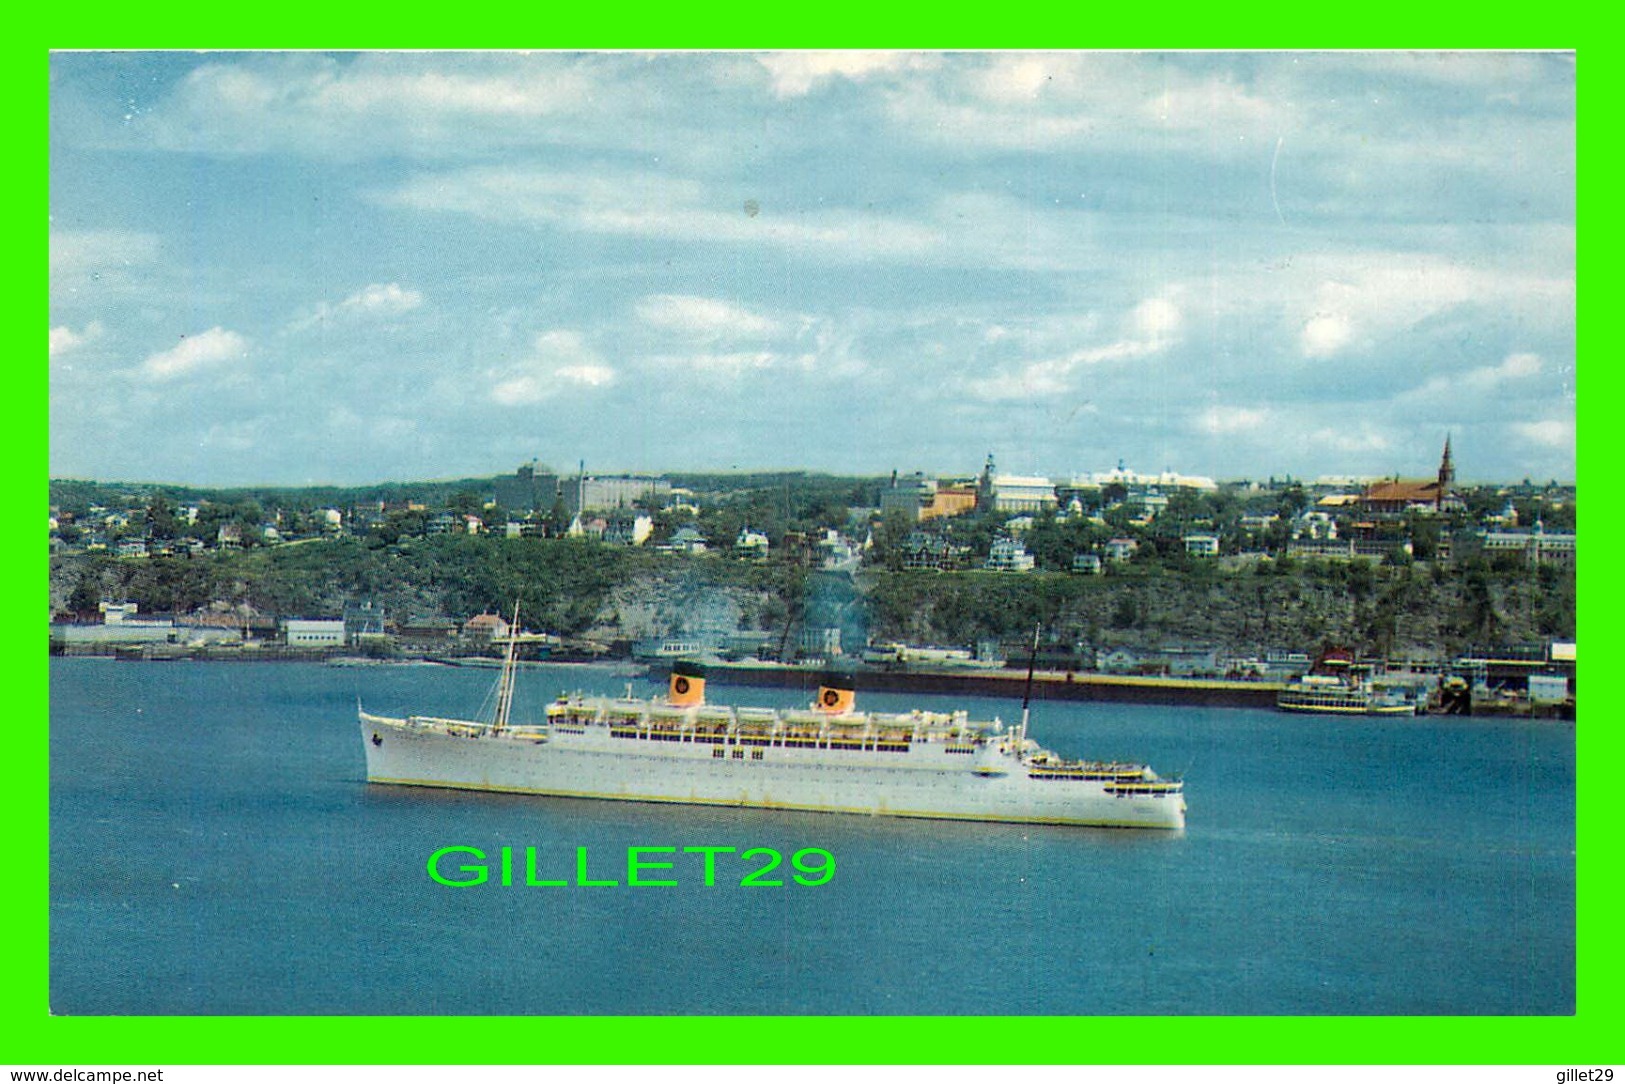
(1293, 501)
(162, 522)
(86, 598)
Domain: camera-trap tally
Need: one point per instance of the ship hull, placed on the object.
(925, 783)
(1348, 707)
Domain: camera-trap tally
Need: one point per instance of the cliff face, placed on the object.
(1378, 609)
(658, 606)
(616, 594)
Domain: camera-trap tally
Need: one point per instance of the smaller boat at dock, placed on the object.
(1332, 694)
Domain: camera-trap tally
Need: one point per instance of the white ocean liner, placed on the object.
(827, 758)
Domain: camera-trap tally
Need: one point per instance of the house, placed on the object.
(485, 628)
(1008, 555)
(1202, 545)
(428, 632)
(922, 550)
(365, 624)
(1316, 526)
(629, 530)
(1119, 660)
(836, 552)
(688, 540)
(1087, 563)
(1121, 549)
(751, 545)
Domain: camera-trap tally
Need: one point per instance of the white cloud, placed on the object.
(1519, 365)
(90, 253)
(211, 348)
(1150, 328)
(1043, 101)
(796, 74)
(1222, 420)
(65, 339)
(1555, 433)
(367, 103)
(1156, 319)
(1325, 334)
(705, 317)
(732, 364)
(661, 206)
(1350, 439)
(388, 298)
(589, 375)
(1376, 294)
(376, 301)
(558, 360)
(1485, 378)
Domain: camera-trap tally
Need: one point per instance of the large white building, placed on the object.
(620, 491)
(1020, 493)
(1131, 479)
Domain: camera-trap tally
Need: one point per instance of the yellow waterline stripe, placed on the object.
(736, 804)
(1330, 710)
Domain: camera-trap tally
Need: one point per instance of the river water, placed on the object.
(215, 850)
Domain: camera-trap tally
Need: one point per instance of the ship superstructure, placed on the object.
(828, 757)
(1326, 695)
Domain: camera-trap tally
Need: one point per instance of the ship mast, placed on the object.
(1027, 695)
(505, 685)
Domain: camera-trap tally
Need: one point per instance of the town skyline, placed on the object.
(340, 269)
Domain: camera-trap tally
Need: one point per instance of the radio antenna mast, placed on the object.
(1027, 695)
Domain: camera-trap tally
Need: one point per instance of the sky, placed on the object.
(298, 268)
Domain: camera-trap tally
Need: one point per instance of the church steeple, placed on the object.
(1447, 475)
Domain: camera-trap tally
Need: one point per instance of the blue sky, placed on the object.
(294, 268)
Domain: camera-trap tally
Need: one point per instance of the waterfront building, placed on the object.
(820, 642)
(116, 613)
(485, 628)
(298, 633)
(365, 623)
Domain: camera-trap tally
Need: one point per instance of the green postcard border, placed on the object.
(37, 1038)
